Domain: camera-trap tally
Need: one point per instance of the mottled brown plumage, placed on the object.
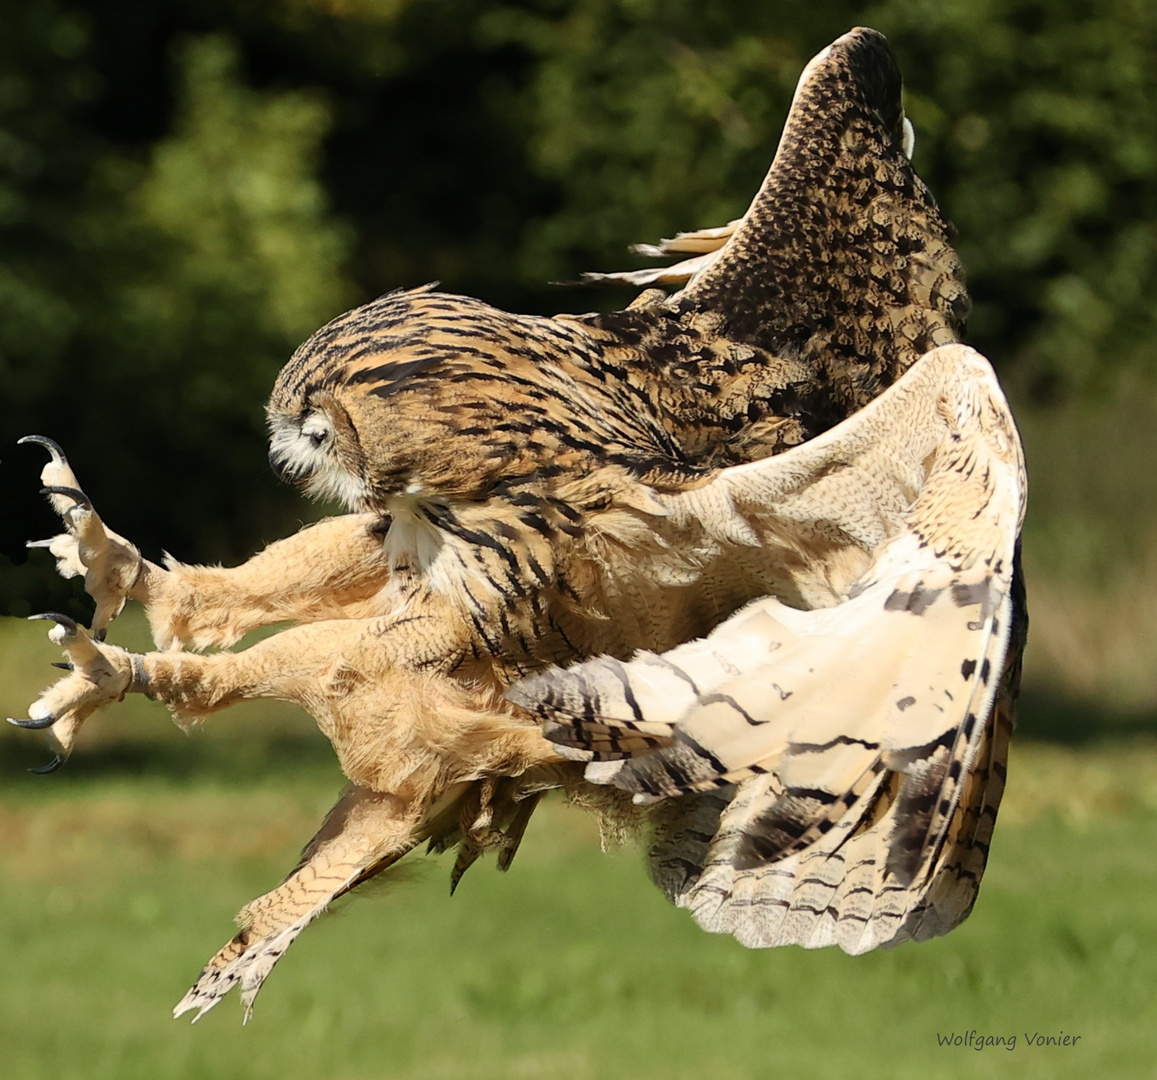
(843, 260)
(528, 492)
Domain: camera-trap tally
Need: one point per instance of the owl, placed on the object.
(737, 563)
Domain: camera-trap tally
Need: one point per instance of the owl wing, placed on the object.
(859, 746)
(843, 256)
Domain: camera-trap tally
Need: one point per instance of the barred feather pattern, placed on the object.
(528, 492)
(843, 258)
(865, 735)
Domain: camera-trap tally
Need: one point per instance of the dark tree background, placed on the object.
(188, 188)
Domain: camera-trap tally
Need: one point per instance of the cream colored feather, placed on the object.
(851, 729)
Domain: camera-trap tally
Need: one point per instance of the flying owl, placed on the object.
(739, 560)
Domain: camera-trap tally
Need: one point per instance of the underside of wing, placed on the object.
(861, 734)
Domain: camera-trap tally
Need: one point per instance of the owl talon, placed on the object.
(98, 674)
(65, 621)
(110, 565)
(33, 725)
(51, 767)
(51, 445)
(75, 494)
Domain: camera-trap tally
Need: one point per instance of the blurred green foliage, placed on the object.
(1035, 124)
(189, 187)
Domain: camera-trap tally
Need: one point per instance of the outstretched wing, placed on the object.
(866, 739)
(843, 258)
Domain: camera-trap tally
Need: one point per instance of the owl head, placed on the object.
(428, 395)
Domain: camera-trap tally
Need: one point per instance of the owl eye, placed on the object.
(317, 430)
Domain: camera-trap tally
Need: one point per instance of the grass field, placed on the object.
(120, 874)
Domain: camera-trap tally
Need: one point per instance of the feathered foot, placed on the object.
(110, 565)
(98, 673)
(362, 835)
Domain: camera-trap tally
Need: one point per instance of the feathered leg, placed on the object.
(363, 834)
(331, 570)
(419, 747)
(376, 688)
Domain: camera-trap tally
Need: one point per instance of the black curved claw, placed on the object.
(64, 665)
(73, 493)
(50, 445)
(101, 634)
(33, 725)
(66, 621)
(52, 766)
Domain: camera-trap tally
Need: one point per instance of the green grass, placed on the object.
(120, 874)
(1090, 548)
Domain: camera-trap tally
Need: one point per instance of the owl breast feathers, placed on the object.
(738, 563)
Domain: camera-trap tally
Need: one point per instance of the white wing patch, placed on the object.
(862, 735)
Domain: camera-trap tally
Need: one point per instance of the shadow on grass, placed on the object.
(1055, 718)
